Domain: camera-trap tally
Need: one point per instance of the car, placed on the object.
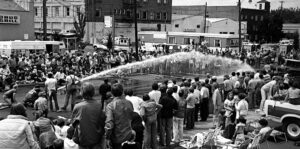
(285, 113)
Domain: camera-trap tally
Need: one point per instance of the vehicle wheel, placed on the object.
(292, 129)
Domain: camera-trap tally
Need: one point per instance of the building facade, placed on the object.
(191, 23)
(254, 13)
(152, 15)
(60, 15)
(16, 20)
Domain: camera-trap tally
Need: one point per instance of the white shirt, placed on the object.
(51, 84)
(70, 78)
(197, 93)
(204, 92)
(136, 102)
(59, 75)
(155, 95)
(70, 144)
(176, 96)
(241, 106)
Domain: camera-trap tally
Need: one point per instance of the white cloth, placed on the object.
(70, 78)
(136, 102)
(155, 95)
(59, 75)
(241, 107)
(204, 92)
(70, 144)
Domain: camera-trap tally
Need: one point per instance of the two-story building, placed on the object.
(16, 20)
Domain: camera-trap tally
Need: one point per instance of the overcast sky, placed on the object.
(274, 3)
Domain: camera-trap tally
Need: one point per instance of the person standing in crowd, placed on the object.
(204, 102)
(229, 107)
(190, 115)
(60, 77)
(91, 120)
(41, 105)
(71, 88)
(135, 100)
(228, 85)
(217, 104)
(166, 114)
(241, 106)
(257, 94)
(103, 89)
(51, 90)
(119, 114)
(179, 118)
(155, 94)
(251, 91)
(16, 130)
(197, 93)
(149, 110)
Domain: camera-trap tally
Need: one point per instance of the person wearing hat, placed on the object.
(41, 105)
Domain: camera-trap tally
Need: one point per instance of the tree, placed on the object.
(79, 25)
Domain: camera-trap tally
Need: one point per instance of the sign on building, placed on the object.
(160, 36)
(108, 21)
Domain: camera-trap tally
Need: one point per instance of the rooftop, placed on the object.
(10, 5)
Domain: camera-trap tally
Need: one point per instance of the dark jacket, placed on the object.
(169, 104)
(91, 122)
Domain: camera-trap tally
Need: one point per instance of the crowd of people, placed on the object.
(122, 120)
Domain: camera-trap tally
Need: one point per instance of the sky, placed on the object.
(274, 3)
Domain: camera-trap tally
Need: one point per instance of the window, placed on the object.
(128, 13)
(67, 13)
(144, 15)
(165, 1)
(145, 0)
(231, 42)
(261, 18)
(124, 11)
(151, 15)
(98, 13)
(217, 43)
(9, 19)
(47, 10)
(223, 32)
(231, 33)
(158, 1)
(158, 16)
(176, 25)
(116, 11)
(246, 17)
(36, 11)
(172, 40)
(260, 6)
(252, 17)
(165, 16)
(198, 26)
(186, 41)
(56, 11)
(78, 9)
(256, 18)
(138, 15)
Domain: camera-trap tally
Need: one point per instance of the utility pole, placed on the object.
(240, 25)
(114, 32)
(44, 20)
(205, 14)
(136, 32)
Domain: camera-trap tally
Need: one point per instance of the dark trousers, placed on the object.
(196, 113)
(204, 110)
(53, 96)
(166, 131)
(190, 121)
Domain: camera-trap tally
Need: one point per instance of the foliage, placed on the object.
(296, 40)
(289, 15)
(79, 25)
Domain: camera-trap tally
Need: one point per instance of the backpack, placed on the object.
(73, 87)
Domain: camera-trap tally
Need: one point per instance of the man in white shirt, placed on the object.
(136, 101)
(155, 93)
(266, 92)
(197, 93)
(204, 111)
(51, 88)
(72, 82)
(60, 77)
